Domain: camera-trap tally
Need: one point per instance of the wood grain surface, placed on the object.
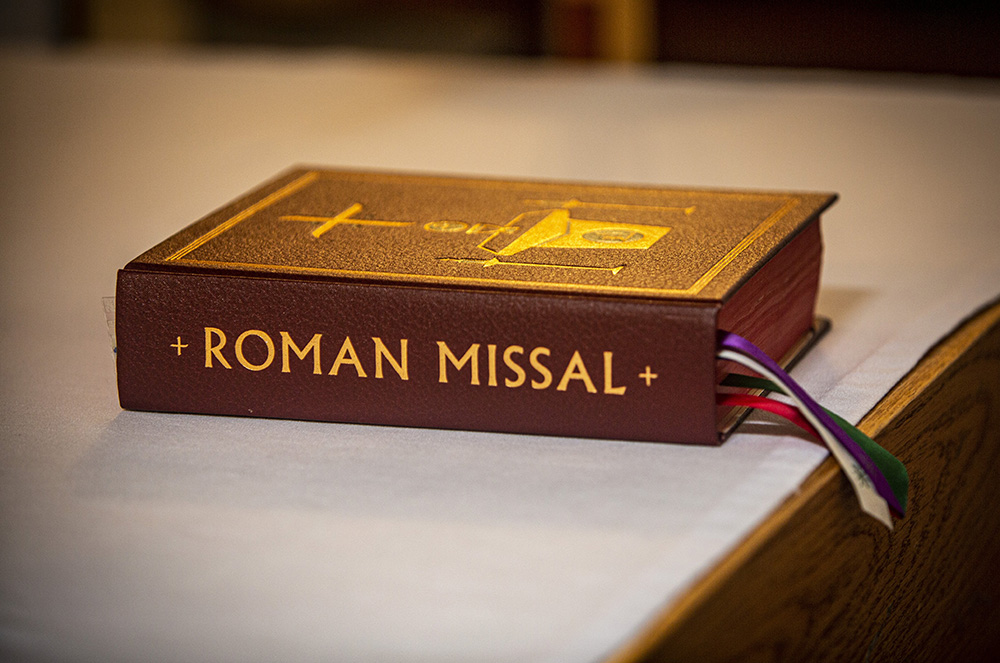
(819, 581)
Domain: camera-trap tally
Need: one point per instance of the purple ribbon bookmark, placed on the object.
(737, 343)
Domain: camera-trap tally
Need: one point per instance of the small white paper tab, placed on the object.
(109, 316)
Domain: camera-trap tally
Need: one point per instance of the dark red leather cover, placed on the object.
(579, 310)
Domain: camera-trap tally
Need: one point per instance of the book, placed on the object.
(536, 307)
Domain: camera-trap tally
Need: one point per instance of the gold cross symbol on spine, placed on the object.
(178, 345)
(648, 376)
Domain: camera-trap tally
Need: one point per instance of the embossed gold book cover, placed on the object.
(558, 308)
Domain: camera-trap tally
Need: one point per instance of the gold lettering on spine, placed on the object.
(215, 350)
(541, 368)
(311, 346)
(512, 365)
(347, 355)
(382, 351)
(608, 379)
(267, 341)
(491, 354)
(445, 355)
(576, 370)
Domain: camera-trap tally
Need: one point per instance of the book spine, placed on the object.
(411, 356)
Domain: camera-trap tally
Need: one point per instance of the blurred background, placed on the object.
(929, 36)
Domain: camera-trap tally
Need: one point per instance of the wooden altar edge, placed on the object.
(818, 580)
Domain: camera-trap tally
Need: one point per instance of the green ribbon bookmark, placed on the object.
(894, 471)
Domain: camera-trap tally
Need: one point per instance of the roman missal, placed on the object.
(481, 304)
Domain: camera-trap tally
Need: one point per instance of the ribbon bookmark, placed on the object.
(870, 485)
(894, 471)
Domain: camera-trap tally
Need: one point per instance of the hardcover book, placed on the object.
(531, 307)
